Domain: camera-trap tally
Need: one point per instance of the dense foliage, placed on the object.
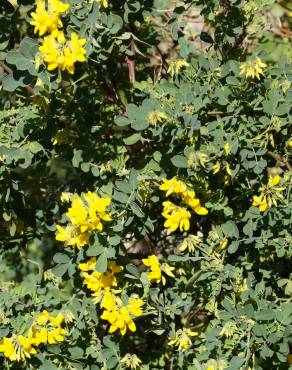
(145, 184)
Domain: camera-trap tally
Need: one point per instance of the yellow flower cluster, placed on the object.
(253, 68)
(86, 215)
(176, 65)
(182, 339)
(57, 51)
(176, 216)
(155, 117)
(99, 282)
(131, 361)
(45, 329)
(47, 19)
(269, 194)
(119, 316)
(61, 53)
(155, 273)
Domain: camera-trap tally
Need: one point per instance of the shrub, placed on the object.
(145, 185)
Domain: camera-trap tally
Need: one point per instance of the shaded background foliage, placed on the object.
(92, 131)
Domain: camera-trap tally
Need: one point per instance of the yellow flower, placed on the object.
(223, 244)
(131, 361)
(176, 65)
(216, 167)
(72, 236)
(253, 68)
(66, 197)
(173, 186)
(56, 320)
(155, 271)
(97, 281)
(189, 198)
(176, 217)
(156, 116)
(97, 210)
(26, 345)
(57, 6)
(85, 216)
(119, 320)
(39, 336)
(135, 306)
(227, 148)
(172, 212)
(89, 265)
(228, 169)
(45, 329)
(273, 181)
(261, 202)
(269, 194)
(109, 301)
(62, 54)
(114, 268)
(76, 48)
(100, 283)
(168, 271)
(42, 318)
(56, 335)
(190, 243)
(47, 19)
(228, 329)
(118, 315)
(78, 214)
(182, 339)
(7, 347)
(17, 348)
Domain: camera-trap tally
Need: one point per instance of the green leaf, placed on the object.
(95, 249)
(60, 270)
(76, 352)
(120, 197)
(114, 240)
(132, 139)
(137, 210)
(133, 179)
(61, 258)
(179, 161)
(122, 121)
(48, 365)
(101, 263)
(233, 247)
(35, 147)
(123, 186)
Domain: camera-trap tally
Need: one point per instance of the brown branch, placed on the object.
(5, 68)
(282, 161)
(281, 31)
(131, 61)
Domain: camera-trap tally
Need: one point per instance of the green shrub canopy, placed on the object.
(145, 165)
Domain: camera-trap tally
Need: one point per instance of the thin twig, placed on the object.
(282, 161)
(131, 61)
